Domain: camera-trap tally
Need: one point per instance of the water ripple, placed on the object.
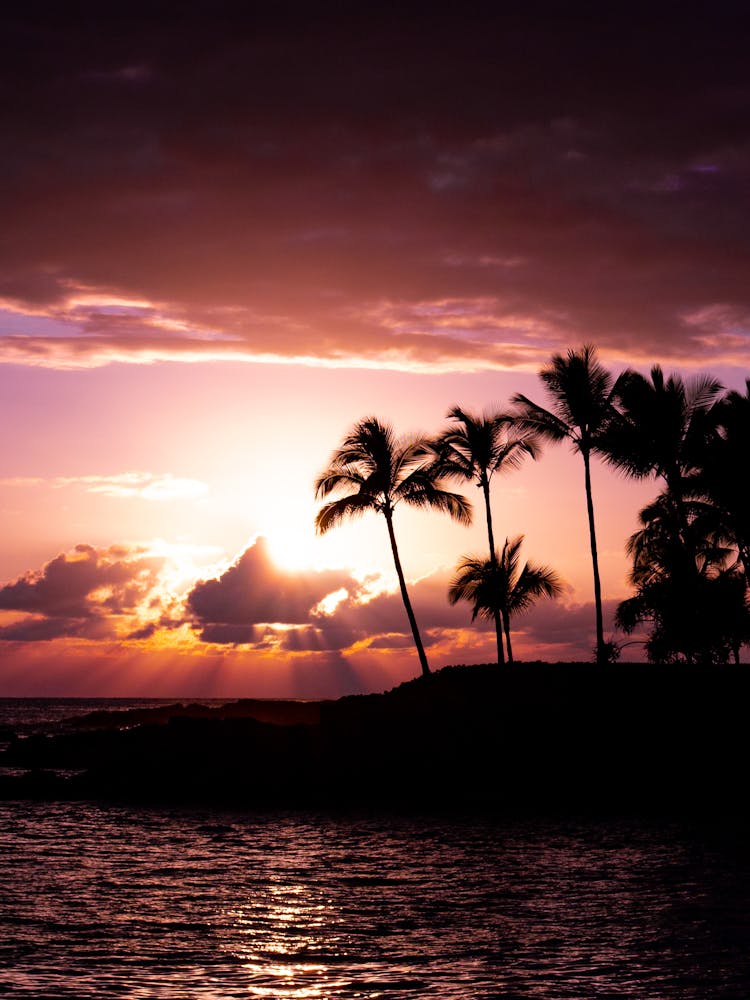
(102, 901)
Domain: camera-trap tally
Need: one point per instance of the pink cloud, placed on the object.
(80, 593)
(310, 215)
(255, 591)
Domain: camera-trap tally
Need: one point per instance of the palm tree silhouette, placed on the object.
(490, 584)
(661, 428)
(693, 600)
(719, 479)
(580, 389)
(376, 471)
(475, 448)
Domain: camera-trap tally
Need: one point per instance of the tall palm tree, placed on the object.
(376, 471)
(475, 448)
(580, 389)
(661, 429)
(499, 583)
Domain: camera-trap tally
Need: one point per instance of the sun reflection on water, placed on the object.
(153, 905)
(279, 937)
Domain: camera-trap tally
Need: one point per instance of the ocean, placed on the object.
(100, 900)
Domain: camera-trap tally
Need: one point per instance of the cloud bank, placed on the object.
(331, 190)
(87, 593)
(123, 593)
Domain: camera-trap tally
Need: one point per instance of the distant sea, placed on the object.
(104, 900)
(48, 714)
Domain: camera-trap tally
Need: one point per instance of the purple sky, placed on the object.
(229, 233)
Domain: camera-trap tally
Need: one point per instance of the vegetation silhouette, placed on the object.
(492, 584)
(376, 472)
(719, 480)
(660, 429)
(475, 448)
(687, 587)
(581, 392)
(690, 553)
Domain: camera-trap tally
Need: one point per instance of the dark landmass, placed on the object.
(278, 712)
(531, 737)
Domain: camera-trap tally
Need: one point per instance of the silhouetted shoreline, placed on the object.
(531, 737)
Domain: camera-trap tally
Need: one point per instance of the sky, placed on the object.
(231, 233)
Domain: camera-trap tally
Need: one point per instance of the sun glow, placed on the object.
(293, 543)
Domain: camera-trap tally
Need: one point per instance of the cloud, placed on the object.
(120, 594)
(254, 591)
(550, 629)
(82, 593)
(145, 485)
(256, 602)
(333, 191)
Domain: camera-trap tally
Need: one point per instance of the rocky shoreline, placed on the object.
(532, 737)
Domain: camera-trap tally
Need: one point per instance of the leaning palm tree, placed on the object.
(475, 448)
(580, 389)
(498, 583)
(376, 471)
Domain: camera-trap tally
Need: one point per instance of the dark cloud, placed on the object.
(396, 641)
(255, 591)
(230, 634)
(37, 629)
(81, 593)
(565, 631)
(411, 188)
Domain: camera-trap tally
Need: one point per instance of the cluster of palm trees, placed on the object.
(691, 554)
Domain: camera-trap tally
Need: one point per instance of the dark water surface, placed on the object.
(116, 901)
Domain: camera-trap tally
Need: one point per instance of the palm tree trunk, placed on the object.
(488, 515)
(506, 622)
(496, 614)
(405, 597)
(600, 655)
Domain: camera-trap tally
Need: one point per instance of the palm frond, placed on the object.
(534, 419)
(702, 391)
(579, 386)
(498, 585)
(419, 489)
(475, 582)
(337, 478)
(345, 508)
(533, 582)
(473, 447)
(514, 450)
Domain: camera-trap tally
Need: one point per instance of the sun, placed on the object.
(289, 530)
(292, 542)
(293, 546)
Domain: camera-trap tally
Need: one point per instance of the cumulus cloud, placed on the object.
(83, 593)
(119, 593)
(257, 604)
(254, 591)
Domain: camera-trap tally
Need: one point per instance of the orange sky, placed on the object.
(224, 245)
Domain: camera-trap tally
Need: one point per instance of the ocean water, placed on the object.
(100, 900)
(27, 715)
